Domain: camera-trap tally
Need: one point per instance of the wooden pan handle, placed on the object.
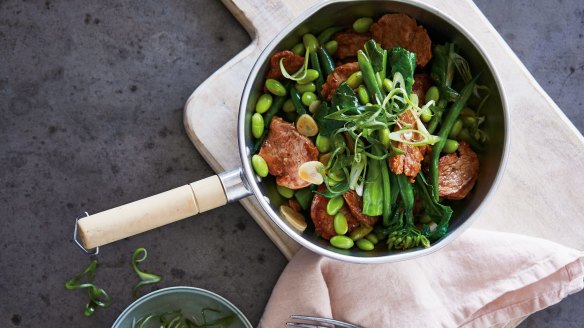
(152, 212)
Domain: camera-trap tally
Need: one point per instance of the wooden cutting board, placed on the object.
(542, 192)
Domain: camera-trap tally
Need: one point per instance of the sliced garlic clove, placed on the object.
(296, 219)
(310, 171)
(306, 125)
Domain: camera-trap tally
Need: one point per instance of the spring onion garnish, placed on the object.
(145, 277)
(176, 319)
(301, 72)
(97, 296)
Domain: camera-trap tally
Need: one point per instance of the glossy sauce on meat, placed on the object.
(393, 30)
(292, 63)
(338, 76)
(458, 172)
(323, 222)
(284, 150)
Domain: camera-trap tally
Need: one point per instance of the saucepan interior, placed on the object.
(441, 29)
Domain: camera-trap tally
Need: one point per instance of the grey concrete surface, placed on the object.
(91, 97)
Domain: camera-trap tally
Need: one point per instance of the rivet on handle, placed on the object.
(95, 250)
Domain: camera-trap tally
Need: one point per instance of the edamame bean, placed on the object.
(257, 125)
(365, 245)
(334, 206)
(342, 242)
(387, 85)
(363, 94)
(450, 146)
(308, 87)
(384, 137)
(361, 232)
(313, 107)
(372, 238)
(264, 103)
(308, 98)
(299, 49)
(355, 79)
(323, 143)
(432, 94)
(310, 42)
(362, 24)
(259, 165)
(426, 115)
(275, 87)
(466, 111)
(285, 192)
(311, 75)
(337, 176)
(456, 127)
(331, 47)
(288, 106)
(469, 121)
(340, 224)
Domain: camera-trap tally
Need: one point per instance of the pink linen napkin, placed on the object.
(482, 279)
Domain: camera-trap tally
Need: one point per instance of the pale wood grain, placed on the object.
(543, 186)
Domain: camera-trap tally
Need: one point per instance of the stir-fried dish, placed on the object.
(371, 132)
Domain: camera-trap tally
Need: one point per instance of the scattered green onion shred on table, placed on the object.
(97, 296)
(146, 278)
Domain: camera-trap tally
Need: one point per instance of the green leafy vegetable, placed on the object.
(378, 57)
(97, 296)
(403, 62)
(439, 213)
(326, 125)
(344, 97)
(443, 68)
(139, 256)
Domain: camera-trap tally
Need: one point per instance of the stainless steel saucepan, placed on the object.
(209, 193)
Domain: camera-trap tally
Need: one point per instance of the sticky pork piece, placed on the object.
(393, 30)
(422, 82)
(323, 222)
(409, 163)
(349, 43)
(458, 172)
(355, 203)
(284, 150)
(292, 63)
(338, 76)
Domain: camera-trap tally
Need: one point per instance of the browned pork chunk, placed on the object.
(284, 150)
(323, 222)
(292, 63)
(338, 76)
(355, 204)
(409, 163)
(393, 30)
(458, 172)
(422, 83)
(350, 43)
